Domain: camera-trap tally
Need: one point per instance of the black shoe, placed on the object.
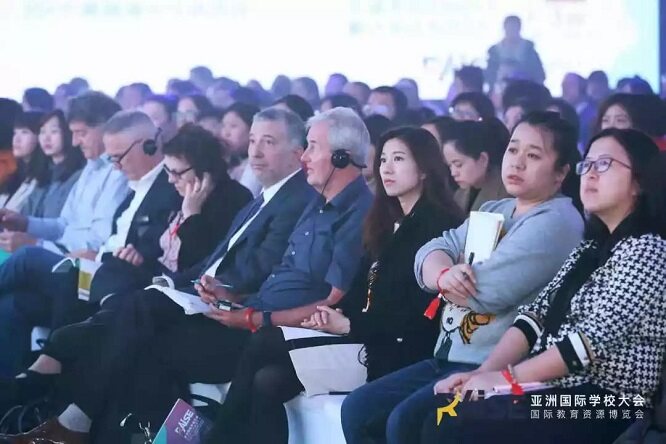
(33, 386)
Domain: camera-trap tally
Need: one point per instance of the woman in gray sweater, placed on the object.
(480, 301)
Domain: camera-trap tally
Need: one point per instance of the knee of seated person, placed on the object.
(398, 419)
(267, 384)
(351, 412)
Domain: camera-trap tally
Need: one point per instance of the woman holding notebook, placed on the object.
(599, 327)
(479, 300)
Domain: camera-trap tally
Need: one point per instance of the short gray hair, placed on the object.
(294, 124)
(125, 120)
(346, 132)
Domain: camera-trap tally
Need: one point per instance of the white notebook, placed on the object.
(191, 304)
(483, 233)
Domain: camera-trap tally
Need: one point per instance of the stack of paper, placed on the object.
(483, 233)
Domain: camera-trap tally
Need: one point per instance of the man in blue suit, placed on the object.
(255, 244)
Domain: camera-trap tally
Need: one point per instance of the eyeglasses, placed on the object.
(600, 165)
(117, 159)
(174, 173)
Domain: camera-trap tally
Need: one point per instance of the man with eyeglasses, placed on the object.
(50, 299)
(84, 224)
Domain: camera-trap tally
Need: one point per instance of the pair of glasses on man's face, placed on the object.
(600, 165)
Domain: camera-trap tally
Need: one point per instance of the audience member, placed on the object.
(644, 112)
(211, 200)
(220, 92)
(335, 84)
(281, 87)
(468, 78)
(201, 77)
(253, 247)
(235, 133)
(358, 90)
(33, 165)
(134, 95)
(182, 88)
(574, 92)
(64, 162)
(61, 96)
(474, 154)
(84, 223)
(410, 89)
(623, 258)
(265, 97)
(295, 104)
(340, 100)
(37, 99)
(211, 121)
(319, 266)
(388, 101)
(308, 89)
(441, 128)
(9, 109)
(568, 113)
(515, 48)
(633, 85)
(522, 97)
(480, 300)
(413, 204)
(472, 106)
(190, 107)
(162, 111)
(377, 125)
(598, 88)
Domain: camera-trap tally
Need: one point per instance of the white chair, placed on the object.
(313, 420)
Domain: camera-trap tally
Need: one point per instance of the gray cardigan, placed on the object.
(532, 250)
(48, 201)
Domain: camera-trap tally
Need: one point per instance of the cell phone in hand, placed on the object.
(228, 306)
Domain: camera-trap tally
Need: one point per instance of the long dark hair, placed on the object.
(74, 159)
(565, 145)
(647, 169)
(386, 210)
(37, 167)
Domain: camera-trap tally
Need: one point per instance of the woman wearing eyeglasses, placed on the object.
(598, 328)
(211, 199)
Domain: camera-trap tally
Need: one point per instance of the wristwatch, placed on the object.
(266, 317)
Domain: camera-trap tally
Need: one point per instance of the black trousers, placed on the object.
(140, 352)
(265, 379)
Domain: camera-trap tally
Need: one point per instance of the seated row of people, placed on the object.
(300, 255)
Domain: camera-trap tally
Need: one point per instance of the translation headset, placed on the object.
(150, 145)
(342, 159)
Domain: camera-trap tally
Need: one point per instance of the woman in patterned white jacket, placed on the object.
(599, 328)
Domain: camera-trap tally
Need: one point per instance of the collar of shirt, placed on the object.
(273, 189)
(349, 194)
(147, 180)
(96, 164)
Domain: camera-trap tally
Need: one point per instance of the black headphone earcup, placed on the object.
(150, 147)
(340, 159)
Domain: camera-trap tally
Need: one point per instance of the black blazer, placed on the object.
(200, 233)
(148, 224)
(261, 246)
(394, 330)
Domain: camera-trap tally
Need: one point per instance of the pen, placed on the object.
(218, 285)
(469, 261)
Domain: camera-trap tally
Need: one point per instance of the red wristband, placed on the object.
(441, 273)
(433, 307)
(516, 389)
(248, 318)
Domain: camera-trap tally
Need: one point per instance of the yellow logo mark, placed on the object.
(448, 409)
